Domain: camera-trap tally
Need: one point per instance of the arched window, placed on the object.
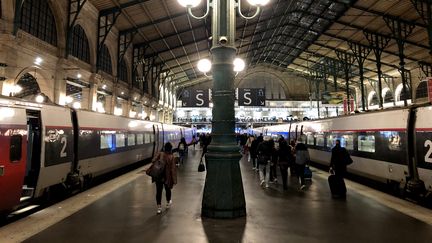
(105, 60)
(422, 90)
(29, 86)
(38, 20)
(123, 73)
(79, 46)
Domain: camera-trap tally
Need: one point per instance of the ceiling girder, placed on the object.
(121, 7)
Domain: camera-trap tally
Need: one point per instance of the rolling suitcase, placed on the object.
(337, 186)
(307, 173)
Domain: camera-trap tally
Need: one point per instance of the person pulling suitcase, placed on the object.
(340, 158)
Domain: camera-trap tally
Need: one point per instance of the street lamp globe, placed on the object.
(239, 65)
(204, 65)
(258, 2)
(189, 3)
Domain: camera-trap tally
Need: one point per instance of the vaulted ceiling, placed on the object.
(301, 36)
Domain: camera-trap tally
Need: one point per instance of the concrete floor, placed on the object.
(273, 215)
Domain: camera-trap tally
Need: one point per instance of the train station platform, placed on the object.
(123, 210)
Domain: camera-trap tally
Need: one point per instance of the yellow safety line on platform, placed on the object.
(27, 227)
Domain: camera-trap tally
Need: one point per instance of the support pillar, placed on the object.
(401, 30)
(223, 191)
(378, 43)
(360, 53)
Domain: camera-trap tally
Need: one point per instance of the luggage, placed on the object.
(307, 173)
(156, 169)
(201, 167)
(337, 186)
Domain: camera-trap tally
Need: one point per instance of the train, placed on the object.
(392, 146)
(46, 146)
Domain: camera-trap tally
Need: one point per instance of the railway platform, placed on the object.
(124, 210)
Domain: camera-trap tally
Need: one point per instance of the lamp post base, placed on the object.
(223, 191)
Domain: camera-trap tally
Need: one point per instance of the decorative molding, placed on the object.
(25, 39)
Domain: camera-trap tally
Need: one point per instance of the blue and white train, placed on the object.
(390, 146)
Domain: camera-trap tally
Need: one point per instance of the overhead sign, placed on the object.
(251, 97)
(195, 98)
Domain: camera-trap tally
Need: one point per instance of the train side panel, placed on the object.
(13, 140)
(57, 147)
(423, 141)
(108, 142)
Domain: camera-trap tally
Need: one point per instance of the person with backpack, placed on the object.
(182, 146)
(165, 176)
(302, 158)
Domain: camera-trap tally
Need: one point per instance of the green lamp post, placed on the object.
(223, 191)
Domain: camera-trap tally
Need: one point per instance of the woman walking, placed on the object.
(168, 177)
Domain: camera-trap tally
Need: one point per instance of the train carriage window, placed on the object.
(347, 141)
(120, 140)
(152, 138)
(146, 138)
(15, 148)
(319, 140)
(106, 141)
(366, 143)
(131, 139)
(331, 140)
(139, 139)
(393, 139)
(310, 139)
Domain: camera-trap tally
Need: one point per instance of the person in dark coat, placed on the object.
(253, 153)
(182, 147)
(302, 158)
(206, 143)
(168, 178)
(285, 158)
(264, 152)
(338, 161)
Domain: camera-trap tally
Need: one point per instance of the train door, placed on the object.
(34, 143)
(155, 141)
(12, 156)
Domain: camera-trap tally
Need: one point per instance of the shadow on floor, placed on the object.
(224, 230)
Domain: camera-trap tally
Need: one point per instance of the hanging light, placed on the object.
(258, 2)
(38, 61)
(39, 99)
(76, 105)
(204, 65)
(16, 89)
(189, 3)
(239, 65)
(68, 99)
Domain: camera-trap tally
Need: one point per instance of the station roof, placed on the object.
(296, 35)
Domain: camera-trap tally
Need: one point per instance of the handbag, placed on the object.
(201, 167)
(156, 169)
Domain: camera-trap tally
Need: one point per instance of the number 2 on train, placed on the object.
(428, 143)
(63, 151)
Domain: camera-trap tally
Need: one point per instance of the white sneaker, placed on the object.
(169, 203)
(159, 210)
(262, 183)
(267, 186)
(302, 187)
